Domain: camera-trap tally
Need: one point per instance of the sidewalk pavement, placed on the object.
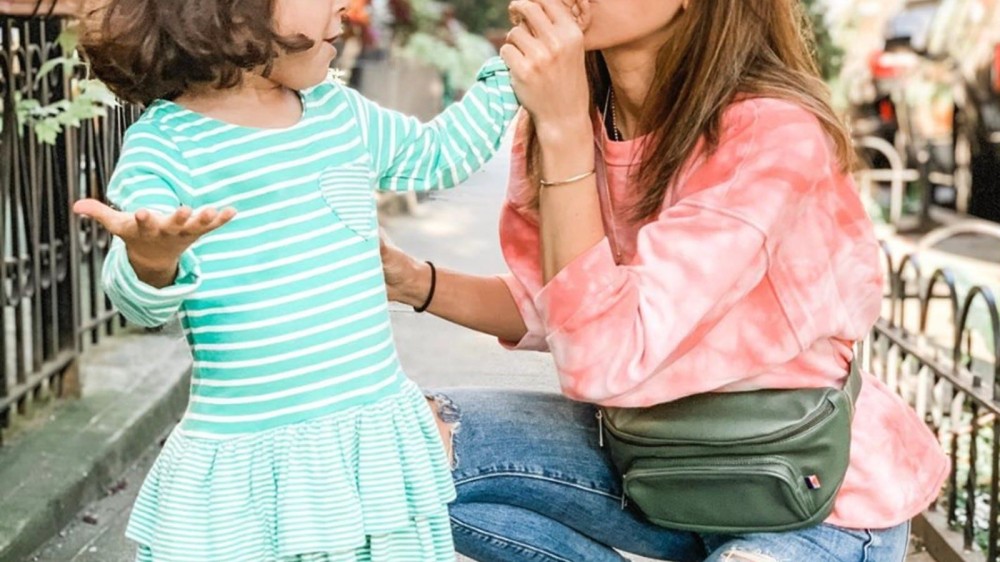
(455, 229)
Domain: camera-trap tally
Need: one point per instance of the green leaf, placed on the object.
(47, 130)
(69, 39)
(68, 64)
(96, 92)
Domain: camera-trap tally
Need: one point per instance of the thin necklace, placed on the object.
(616, 134)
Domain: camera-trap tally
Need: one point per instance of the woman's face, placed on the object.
(622, 23)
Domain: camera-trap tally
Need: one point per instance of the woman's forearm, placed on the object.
(570, 214)
(480, 303)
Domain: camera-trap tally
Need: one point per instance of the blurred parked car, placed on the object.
(891, 67)
(938, 95)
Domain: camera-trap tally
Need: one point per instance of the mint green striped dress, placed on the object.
(303, 440)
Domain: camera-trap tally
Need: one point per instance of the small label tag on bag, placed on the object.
(813, 482)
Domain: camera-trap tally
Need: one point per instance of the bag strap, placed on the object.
(853, 385)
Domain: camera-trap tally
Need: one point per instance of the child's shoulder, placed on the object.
(329, 94)
(149, 130)
(146, 145)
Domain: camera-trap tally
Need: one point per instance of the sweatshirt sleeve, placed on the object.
(148, 176)
(408, 155)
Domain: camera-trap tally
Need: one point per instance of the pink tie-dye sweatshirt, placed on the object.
(760, 271)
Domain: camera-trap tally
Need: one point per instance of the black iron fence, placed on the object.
(50, 296)
(938, 346)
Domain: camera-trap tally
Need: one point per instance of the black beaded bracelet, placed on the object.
(430, 294)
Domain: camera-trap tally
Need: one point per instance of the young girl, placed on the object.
(303, 440)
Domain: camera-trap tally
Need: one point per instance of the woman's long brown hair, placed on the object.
(717, 50)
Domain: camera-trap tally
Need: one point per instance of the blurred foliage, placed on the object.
(829, 55)
(455, 51)
(481, 16)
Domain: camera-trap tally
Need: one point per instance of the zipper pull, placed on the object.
(600, 428)
(624, 501)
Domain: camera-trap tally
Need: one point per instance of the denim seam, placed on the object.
(459, 482)
(507, 541)
(866, 550)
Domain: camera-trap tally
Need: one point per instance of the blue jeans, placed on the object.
(534, 485)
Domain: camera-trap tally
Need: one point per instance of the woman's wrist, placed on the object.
(565, 132)
(417, 286)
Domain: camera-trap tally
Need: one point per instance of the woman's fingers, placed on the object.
(534, 16)
(527, 43)
(514, 59)
(556, 11)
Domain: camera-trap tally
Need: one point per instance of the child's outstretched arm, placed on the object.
(150, 269)
(408, 155)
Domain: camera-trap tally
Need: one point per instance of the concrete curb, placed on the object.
(135, 387)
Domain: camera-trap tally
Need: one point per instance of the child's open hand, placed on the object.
(154, 242)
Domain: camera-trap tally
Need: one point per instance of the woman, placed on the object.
(728, 252)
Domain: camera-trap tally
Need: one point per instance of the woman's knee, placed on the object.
(449, 420)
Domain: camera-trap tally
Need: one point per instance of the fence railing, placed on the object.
(937, 345)
(51, 302)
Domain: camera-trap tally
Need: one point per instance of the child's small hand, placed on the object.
(155, 243)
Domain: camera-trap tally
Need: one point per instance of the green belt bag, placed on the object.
(743, 462)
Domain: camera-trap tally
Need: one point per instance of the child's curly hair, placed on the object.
(152, 49)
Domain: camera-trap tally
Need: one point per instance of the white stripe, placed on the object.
(339, 149)
(197, 123)
(208, 134)
(286, 280)
(270, 227)
(264, 209)
(247, 381)
(270, 149)
(290, 336)
(271, 188)
(296, 257)
(280, 243)
(340, 397)
(159, 139)
(278, 320)
(323, 100)
(146, 167)
(294, 297)
(272, 359)
(256, 136)
(148, 192)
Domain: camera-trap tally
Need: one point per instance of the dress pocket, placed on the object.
(349, 193)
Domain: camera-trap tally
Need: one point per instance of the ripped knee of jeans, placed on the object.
(449, 419)
(737, 555)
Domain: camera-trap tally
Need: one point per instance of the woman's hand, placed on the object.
(406, 279)
(155, 243)
(545, 54)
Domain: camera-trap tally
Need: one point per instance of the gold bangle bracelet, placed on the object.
(567, 181)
